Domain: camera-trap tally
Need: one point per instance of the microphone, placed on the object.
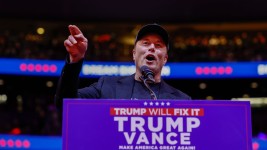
(148, 74)
(148, 77)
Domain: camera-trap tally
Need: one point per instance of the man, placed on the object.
(150, 49)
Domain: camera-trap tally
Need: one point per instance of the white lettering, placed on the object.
(128, 138)
(174, 124)
(169, 140)
(185, 138)
(120, 122)
(262, 69)
(192, 123)
(142, 139)
(137, 123)
(159, 125)
(157, 138)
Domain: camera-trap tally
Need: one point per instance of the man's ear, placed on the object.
(134, 53)
(166, 59)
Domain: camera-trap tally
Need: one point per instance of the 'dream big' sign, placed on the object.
(159, 125)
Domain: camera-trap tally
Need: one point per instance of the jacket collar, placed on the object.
(166, 91)
(125, 85)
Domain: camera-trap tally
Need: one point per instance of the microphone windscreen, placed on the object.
(147, 73)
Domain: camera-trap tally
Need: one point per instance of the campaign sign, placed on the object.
(156, 125)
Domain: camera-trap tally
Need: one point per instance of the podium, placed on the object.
(97, 124)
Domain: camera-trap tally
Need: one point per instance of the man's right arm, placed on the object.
(76, 46)
(68, 82)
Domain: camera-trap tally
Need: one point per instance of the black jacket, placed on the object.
(107, 87)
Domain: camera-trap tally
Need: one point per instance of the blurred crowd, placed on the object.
(219, 47)
(27, 106)
(185, 45)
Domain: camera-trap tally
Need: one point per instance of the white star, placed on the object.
(145, 103)
(162, 103)
(157, 103)
(151, 103)
(168, 103)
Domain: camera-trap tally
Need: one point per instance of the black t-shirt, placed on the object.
(140, 91)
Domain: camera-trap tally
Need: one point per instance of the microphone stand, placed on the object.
(146, 81)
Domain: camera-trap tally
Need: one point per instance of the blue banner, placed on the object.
(30, 142)
(170, 70)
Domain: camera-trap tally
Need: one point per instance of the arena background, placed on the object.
(201, 32)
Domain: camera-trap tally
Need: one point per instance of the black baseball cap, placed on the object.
(153, 28)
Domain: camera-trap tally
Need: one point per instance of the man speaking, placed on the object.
(150, 54)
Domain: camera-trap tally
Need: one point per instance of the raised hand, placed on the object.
(76, 44)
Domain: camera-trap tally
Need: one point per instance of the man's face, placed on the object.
(151, 51)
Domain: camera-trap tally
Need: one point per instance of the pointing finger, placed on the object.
(74, 30)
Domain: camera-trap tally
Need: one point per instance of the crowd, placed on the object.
(28, 107)
(186, 46)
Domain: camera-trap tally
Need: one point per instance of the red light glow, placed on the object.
(10, 143)
(214, 70)
(38, 67)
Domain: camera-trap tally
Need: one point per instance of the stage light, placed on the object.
(40, 30)
(1, 82)
(202, 86)
(209, 98)
(49, 84)
(3, 98)
(254, 85)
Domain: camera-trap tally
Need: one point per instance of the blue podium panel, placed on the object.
(161, 124)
